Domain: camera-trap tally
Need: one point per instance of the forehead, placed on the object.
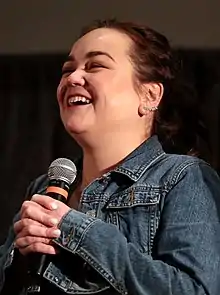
(104, 39)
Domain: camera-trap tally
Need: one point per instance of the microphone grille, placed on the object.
(62, 169)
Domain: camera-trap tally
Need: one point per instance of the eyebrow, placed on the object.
(91, 54)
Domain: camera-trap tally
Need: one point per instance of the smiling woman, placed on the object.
(138, 220)
(100, 70)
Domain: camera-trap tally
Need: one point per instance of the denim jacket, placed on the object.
(149, 227)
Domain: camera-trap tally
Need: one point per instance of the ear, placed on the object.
(150, 98)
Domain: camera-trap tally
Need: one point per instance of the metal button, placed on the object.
(91, 213)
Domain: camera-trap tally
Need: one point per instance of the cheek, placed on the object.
(112, 83)
(121, 92)
(61, 90)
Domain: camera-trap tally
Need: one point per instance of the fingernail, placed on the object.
(54, 221)
(57, 232)
(54, 206)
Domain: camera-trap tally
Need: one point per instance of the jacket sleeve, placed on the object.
(12, 264)
(6, 256)
(186, 254)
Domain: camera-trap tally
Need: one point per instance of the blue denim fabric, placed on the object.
(150, 227)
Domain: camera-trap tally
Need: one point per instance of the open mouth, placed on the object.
(78, 100)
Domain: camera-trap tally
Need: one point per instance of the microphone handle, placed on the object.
(43, 257)
(40, 260)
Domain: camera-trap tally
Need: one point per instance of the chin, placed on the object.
(76, 122)
(82, 135)
(74, 128)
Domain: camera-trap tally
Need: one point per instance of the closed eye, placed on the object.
(67, 71)
(93, 65)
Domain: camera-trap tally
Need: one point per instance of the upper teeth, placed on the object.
(78, 98)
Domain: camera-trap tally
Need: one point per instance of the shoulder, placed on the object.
(193, 191)
(182, 170)
(179, 166)
(191, 168)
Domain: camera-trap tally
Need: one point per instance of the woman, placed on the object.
(139, 220)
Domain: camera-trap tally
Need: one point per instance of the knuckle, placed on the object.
(36, 247)
(15, 227)
(29, 240)
(45, 219)
(29, 229)
(47, 232)
(23, 222)
(18, 227)
(28, 211)
(45, 241)
(34, 197)
(17, 243)
(25, 205)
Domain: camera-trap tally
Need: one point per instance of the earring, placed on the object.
(152, 109)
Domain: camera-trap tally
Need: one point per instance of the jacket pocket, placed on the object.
(136, 212)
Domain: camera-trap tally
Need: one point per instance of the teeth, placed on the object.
(75, 99)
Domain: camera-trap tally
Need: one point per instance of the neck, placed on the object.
(106, 155)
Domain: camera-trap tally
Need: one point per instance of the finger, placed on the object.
(45, 201)
(26, 241)
(38, 248)
(26, 205)
(39, 231)
(38, 214)
(19, 225)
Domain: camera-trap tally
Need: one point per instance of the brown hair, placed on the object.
(176, 120)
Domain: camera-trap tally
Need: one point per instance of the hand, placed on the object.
(38, 224)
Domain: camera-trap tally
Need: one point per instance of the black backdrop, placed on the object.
(32, 134)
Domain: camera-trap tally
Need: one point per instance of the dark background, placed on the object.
(34, 41)
(50, 26)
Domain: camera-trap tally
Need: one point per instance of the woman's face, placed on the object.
(97, 94)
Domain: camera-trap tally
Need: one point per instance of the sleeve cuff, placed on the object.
(73, 227)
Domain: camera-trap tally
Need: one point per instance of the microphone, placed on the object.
(61, 174)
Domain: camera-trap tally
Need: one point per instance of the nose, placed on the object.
(76, 78)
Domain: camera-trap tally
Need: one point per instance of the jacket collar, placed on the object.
(136, 163)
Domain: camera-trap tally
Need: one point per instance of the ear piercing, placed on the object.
(152, 109)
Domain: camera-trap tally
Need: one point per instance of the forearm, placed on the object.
(12, 264)
(120, 263)
(6, 258)
(14, 274)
